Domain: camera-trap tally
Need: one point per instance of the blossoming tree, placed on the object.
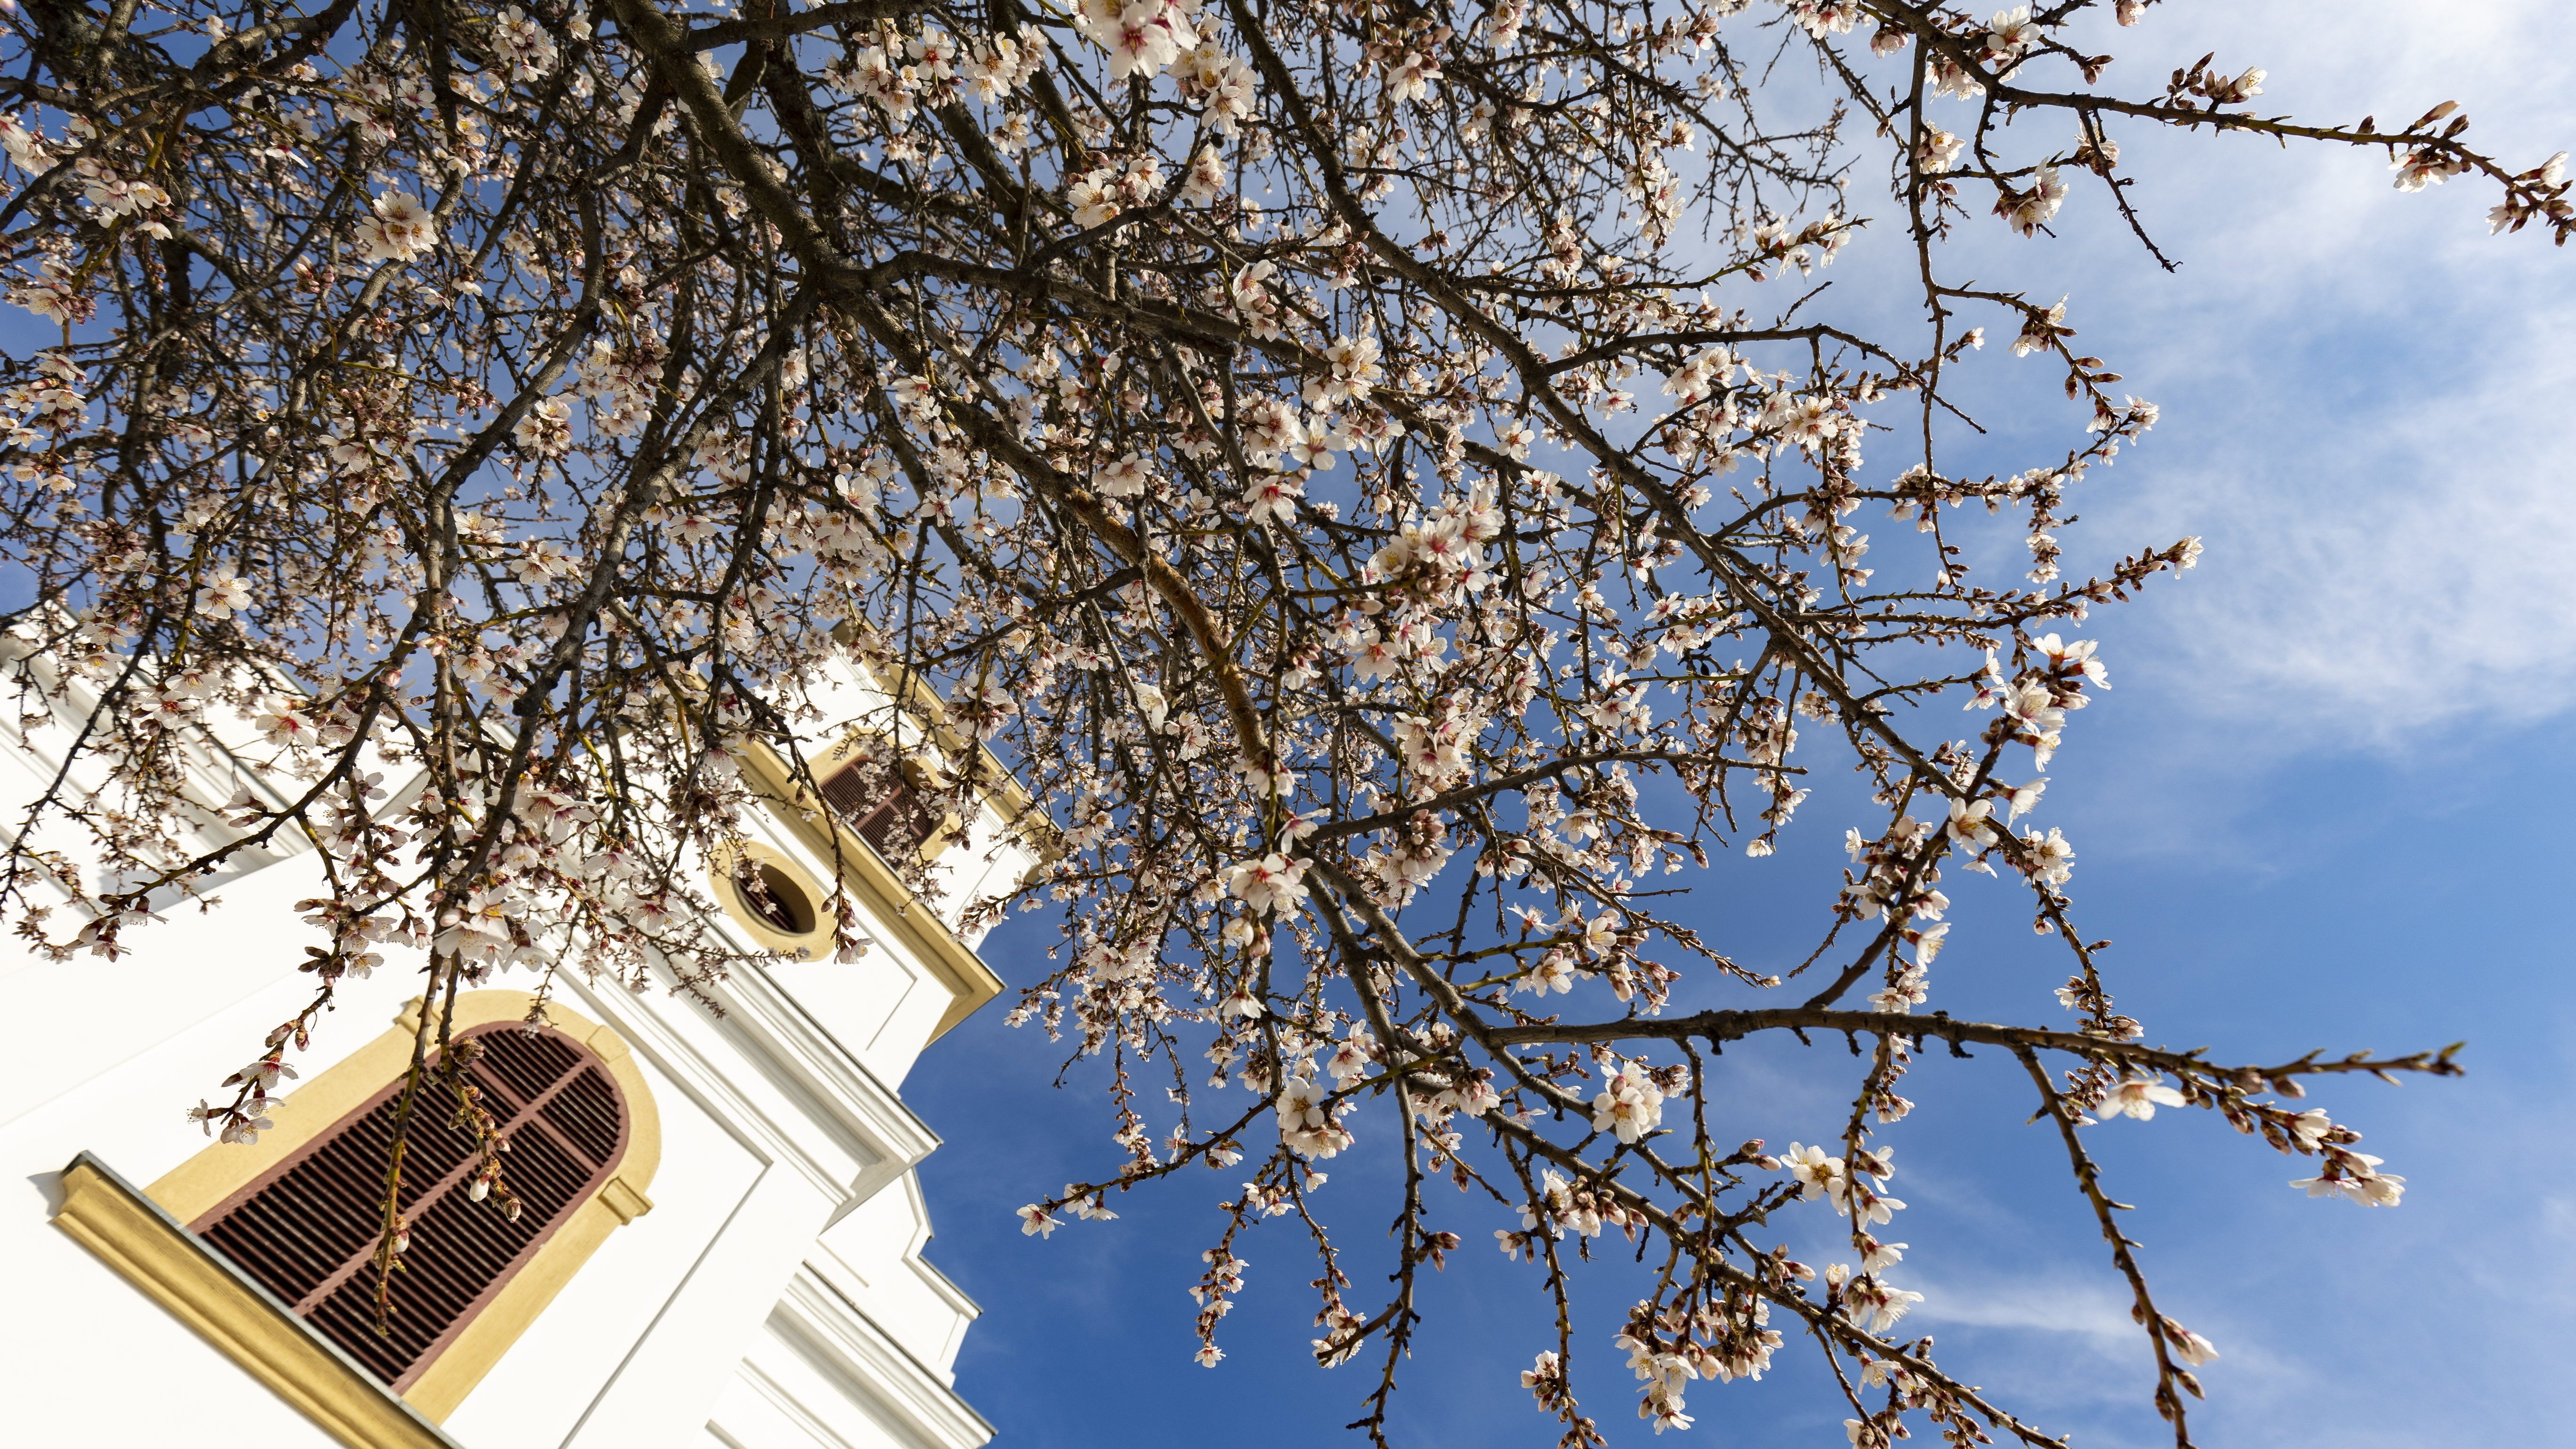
(1373, 466)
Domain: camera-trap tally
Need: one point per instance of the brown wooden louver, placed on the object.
(879, 804)
(306, 1229)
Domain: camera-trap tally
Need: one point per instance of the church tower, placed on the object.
(720, 1237)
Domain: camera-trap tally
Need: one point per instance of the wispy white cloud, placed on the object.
(2372, 588)
(2090, 1312)
(2062, 1346)
(2366, 401)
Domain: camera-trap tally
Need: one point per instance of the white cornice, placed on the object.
(841, 1341)
(803, 1102)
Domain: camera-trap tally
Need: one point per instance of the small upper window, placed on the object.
(884, 808)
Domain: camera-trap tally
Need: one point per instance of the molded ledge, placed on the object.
(202, 1289)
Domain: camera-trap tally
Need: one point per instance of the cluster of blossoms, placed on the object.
(1630, 1106)
(1098, 196)
(2035, 701)
(1723, 1338)
(1144, 38)
(1308, 1124)
(1858, 1189)
(1559, 1207)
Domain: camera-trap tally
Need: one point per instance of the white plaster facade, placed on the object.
(775, 1297)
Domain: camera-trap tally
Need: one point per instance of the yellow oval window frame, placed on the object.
(726, 862)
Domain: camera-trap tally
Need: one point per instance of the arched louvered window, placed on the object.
(306, 1229)
(884, 808)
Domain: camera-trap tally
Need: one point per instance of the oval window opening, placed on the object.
(774, 897)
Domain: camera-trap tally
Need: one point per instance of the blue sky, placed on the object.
(2324, 806)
